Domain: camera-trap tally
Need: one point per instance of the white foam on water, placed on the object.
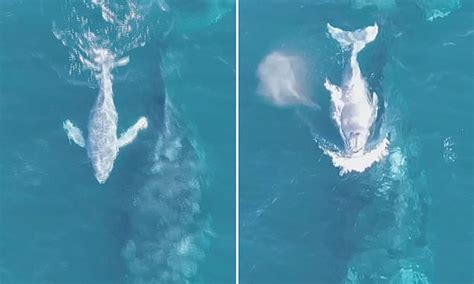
(435, 9)
(107, 14)
(432, 15)
(282, 80)
(122, 28)
(357, 162)
(380, 4)
(449, 153)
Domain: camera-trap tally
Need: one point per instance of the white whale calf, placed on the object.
(354, 109)
(102, 143)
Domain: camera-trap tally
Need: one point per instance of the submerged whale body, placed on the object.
(354, 107)
(102, 143)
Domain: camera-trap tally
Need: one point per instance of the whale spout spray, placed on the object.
(102, 144)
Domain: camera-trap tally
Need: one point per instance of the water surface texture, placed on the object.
(165, 214)
(405, 219)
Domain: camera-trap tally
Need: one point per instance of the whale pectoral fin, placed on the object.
(336, 93)
(74, 134)
(336, 100)
(333, 89)
(130, 134)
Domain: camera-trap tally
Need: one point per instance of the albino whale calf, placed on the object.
(354, 107)
(102, 143)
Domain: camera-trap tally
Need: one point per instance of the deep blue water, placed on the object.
(406, 219)
(166, 213)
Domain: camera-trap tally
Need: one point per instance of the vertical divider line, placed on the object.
(237, 141)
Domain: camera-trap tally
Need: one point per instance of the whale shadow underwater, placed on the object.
(165, 230)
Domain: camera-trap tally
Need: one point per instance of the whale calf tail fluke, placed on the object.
(355, 40)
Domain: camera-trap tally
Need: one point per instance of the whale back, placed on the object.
(102, 146)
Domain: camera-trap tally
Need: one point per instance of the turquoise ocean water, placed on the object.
(166, 213)
(406, 219)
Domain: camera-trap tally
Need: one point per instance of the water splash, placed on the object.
(449, 153)
(358, 162)
(121, 27)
